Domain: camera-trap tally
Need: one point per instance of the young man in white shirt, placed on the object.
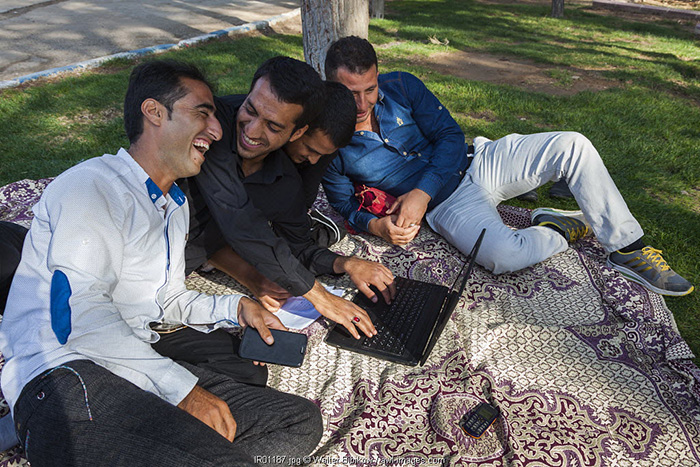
(103, 259)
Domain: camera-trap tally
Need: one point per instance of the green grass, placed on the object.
(647, 127)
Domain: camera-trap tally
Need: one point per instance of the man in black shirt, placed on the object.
(277, 187)
(314, 151)
(285, 96)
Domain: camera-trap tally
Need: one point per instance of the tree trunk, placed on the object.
(557, 8)
(376, 8)
(325, 21)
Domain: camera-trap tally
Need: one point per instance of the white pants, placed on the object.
(516, 164)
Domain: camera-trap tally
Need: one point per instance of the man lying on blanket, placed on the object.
(103, 259)
(407, 145)
(267, 117)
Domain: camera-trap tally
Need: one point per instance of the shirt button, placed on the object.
(419, 154)
(386, 140)
(154, 196)
(439, 107)
(404, 153)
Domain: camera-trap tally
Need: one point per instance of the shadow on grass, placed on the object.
(609, 44)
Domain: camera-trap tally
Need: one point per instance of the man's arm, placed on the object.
(280, 200)
(341, 195)
(270, 295)
(447, 150)
(340, 192)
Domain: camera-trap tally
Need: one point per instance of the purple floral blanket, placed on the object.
(586, 368)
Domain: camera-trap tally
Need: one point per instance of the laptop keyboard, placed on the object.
(399, 319)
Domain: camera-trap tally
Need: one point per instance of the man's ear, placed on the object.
(153, 111)
(298, 133)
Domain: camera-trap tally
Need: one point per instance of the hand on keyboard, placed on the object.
(368, 273)
(341, 311)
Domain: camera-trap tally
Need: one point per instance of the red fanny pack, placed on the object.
(372, 200)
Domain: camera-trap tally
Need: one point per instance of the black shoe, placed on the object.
(571, 224)
(530, 196)
(560, 189)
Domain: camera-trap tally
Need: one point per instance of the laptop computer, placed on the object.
(409, 327)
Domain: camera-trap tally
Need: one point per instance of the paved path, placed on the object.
(38, 35)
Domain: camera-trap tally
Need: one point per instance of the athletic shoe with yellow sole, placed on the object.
(648, 268)
(571, 223)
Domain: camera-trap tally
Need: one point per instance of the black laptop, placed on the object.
(409, 327)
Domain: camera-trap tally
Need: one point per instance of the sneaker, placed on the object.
(324, 231)
(647, 267)
(560, 189)
(570, 223)
(530, 196)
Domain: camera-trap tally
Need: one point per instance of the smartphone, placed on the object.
(478, 420)
(289, 347)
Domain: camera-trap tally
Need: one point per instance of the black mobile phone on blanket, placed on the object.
(288, 349)
(478, 420)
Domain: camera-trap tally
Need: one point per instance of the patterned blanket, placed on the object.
(586, 368)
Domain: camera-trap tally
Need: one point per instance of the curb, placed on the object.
(648, 9)
(230, 32)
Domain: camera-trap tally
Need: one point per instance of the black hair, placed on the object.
(337, 119)
(351, 52)
(294, 82)
(160, 80)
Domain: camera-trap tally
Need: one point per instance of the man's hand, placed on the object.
(410, 208)
(270, 295)
(253, 315)
(386, 228)
(211, 410)
(365, 273)
(341, 311)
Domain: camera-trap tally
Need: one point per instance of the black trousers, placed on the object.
(80, 414)
(216, 351)
(11, 241)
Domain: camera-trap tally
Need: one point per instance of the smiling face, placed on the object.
(265, 123)
(310, 147)
(189, 130)
(364, 87)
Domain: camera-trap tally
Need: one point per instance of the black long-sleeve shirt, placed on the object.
(278, 191)
(221, 213)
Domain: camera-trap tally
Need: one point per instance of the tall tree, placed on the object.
(324, 21)
(376, 8)
(557, 8)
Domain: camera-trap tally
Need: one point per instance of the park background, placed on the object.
(630, 82)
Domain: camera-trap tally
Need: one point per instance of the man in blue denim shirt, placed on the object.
(407, 144)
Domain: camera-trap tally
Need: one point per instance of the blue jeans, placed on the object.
(80, 414)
